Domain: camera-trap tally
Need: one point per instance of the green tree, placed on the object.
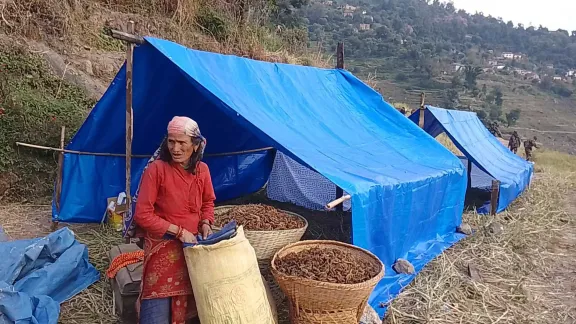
(471, 74)
(451, 98)
(498, 97)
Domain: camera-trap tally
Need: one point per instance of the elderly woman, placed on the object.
(175, 203)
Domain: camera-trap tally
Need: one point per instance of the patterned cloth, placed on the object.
(292, 182)
(165, 275)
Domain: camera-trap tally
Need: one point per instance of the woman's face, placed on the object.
(181, 147)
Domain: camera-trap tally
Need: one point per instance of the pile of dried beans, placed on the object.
(328, 265)
(256, 217)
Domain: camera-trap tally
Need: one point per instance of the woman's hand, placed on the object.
(205, 230)
(187, 237)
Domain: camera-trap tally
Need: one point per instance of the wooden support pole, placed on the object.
(494, 197)
(129, 122)
(339, 65)
(340, 56)
(59, 177)
(422, 108)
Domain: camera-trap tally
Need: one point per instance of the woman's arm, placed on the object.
(144, 216)
(208, 197)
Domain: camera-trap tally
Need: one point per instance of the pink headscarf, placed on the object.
(186, 126)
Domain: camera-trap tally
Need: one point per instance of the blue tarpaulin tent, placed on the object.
(37, 275)
(485, 151)
(407, 190)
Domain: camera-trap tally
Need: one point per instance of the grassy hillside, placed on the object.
(57, 58)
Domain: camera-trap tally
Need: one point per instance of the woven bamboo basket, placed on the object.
(267, 243)
(315, 302)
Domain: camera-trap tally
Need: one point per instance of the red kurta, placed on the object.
(171, 195)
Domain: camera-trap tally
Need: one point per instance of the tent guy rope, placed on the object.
(55, 149)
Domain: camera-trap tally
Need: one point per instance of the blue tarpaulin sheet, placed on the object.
(407, 189)
(476, 142)
(37, 275)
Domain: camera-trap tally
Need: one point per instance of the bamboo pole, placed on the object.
(494, 197)
(338, 202)
(129, 116)
(144, 156)
(59, 177)
(422, 108)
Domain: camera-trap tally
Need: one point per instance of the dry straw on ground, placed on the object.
(526, 271)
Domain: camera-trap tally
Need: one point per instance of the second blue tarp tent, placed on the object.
(407, 190)
(484, 150)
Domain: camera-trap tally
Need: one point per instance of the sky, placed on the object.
(553, 14)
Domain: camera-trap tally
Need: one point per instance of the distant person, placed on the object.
(494, 128)
(529, 145)
(514, 142)
(402, 110)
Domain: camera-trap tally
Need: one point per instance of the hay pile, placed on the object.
(524, 272)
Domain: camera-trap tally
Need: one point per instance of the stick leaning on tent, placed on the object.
(338, 201)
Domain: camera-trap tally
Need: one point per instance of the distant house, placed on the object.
(468, 37)
(364, 27)
(457, 67)
(557, 78)
(508, 55)
(492, 62)
(500, 67)
(550, 66)
(348, 13)
(571, 73)
(532, 76)
(491, 51)
(364, 12)
(517, 56)
(328, 2)
(349, 7)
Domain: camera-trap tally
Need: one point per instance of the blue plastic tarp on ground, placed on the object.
(407, 189)
(37, 275)
(476, 142)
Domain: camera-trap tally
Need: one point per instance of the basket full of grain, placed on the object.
(267, 229)
(326, 282)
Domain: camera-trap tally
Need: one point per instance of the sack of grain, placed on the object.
(227, 285)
